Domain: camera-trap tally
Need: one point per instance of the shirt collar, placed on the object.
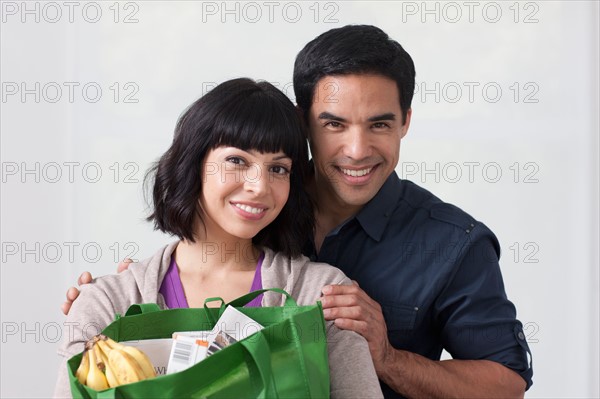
(376, 214)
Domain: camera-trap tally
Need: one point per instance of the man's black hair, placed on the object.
(353, 49)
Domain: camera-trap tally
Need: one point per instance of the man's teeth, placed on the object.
(249, 209)
(356, 173)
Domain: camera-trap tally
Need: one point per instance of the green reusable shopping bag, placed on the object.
(286, 359)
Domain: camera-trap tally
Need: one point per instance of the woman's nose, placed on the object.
(256, 180)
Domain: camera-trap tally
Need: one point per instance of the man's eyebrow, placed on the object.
(389, 116)
(327, 115)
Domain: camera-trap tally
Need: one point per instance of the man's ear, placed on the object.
(406, 123)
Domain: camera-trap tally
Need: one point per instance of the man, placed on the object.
(427, 272)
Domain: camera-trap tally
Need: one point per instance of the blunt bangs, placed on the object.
(262, 120)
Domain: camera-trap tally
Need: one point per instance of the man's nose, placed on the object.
(357, 144)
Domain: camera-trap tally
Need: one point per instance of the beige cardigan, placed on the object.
(351, 367)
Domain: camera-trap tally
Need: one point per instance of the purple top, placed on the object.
(172, 290)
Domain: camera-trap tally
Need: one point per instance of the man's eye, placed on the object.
(381, 125)
(333, 124)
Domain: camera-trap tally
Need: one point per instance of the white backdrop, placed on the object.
(505, 125)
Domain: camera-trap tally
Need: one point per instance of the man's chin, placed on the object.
(355, 196)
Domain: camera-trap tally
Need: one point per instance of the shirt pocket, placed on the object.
(400, 317)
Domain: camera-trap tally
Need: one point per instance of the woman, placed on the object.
(231, 188)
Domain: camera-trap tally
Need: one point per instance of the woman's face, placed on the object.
(243, 191)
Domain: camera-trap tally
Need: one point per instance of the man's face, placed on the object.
(355, 129)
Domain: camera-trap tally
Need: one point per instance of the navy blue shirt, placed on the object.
(434, 270)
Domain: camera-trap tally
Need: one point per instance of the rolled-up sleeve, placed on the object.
(476, 318)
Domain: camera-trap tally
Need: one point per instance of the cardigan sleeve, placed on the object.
(90, 313)
(94, 309)
(351, 367)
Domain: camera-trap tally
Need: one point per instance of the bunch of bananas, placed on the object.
(107, 364)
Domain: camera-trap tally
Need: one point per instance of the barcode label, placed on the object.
(185, 352)
(182, 352)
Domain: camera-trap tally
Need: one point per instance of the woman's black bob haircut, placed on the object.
(238, 113)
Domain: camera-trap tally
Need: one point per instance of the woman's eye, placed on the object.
(280, 170)
(235, 160)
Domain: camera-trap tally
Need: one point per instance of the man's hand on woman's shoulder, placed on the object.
(86, 278)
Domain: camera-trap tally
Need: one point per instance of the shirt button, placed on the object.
(521, 335)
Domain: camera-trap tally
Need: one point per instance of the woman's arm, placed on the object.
(92, 311)
(351, 368)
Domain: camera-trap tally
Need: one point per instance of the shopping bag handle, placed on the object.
(211, 318)
(142, 308)
(258, 349)
(260, 353)
(244, 299)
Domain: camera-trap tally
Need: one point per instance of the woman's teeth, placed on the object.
(249, 209)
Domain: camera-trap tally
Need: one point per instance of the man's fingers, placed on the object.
(340, 289)
(360, 327)
(66, 306)
(352, 309)
(347, 312)
(348, 295)
(333, 301)
(84, 278)
(123, 265)
(72, 294)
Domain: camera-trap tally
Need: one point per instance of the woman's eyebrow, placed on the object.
(279, 157)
